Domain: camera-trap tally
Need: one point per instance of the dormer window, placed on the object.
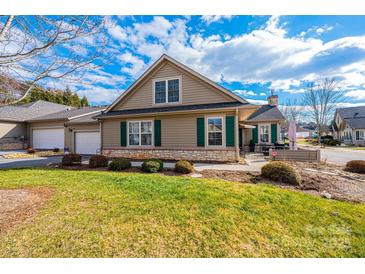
(167, 91)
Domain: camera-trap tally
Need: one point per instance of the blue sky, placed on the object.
(250, 55)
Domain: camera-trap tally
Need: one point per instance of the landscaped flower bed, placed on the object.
(23, 155)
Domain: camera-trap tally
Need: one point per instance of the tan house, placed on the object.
(173, 112)
(46, 125)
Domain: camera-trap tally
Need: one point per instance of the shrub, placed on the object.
(30, 150)
(282, 172)
(184, 167)
(119, 164)
(98, 161)
(332, 142)
(159, 161)
(71, 159)
(357, 166)
(152, 165)
(56, 149)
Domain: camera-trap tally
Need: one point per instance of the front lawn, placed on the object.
(105, 214)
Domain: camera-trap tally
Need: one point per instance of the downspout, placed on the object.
(236, 133)
(101, 136)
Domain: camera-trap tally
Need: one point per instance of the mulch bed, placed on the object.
(19, 205)
(317, 179)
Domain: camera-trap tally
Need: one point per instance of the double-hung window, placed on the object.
(264, 133)
(167, 91)
(215, 131)
(140, 133)
(359, 135)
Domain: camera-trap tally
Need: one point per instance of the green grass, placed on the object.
(105, 214)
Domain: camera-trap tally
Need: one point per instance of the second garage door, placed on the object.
(87, 142)
(48, 138)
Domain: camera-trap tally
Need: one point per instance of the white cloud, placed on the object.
(245, 92)
(208, 19)
(257, 102)
(134, 65)
(117, 32)
(356, 94)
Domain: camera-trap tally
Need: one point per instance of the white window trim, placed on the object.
(223, 117)
(262, 125)
(139, 132)
(166, 90)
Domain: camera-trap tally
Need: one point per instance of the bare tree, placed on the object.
(292, 110)
(35, 48)
(322, 99)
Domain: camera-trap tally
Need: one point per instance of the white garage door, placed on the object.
(87, 142)
(49, 138)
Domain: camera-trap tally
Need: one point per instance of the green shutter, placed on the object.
(200, 132)
(230, 131)
(157, 127)
(123, 134)
(255, 135)
(274, 133)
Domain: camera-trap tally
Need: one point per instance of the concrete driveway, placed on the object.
(32, 162)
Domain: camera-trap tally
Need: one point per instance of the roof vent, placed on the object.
(356, 114)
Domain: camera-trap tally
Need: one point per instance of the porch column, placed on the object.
(236, 136)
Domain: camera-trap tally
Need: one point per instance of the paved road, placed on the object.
(341, 155)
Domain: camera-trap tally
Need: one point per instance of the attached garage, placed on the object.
(87, 142)
(49, 138)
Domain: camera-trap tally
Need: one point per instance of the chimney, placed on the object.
(273, 100)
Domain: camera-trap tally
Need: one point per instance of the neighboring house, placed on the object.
(349, 125)
(13, 125)
(173, 112)
(45, 125)
(301, 132)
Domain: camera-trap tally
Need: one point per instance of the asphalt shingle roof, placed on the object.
(67, 114)
(266, 113)
(171, 109)
(85, 119)
(354, 116)
(29, 111)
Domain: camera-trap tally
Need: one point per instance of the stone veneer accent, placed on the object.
(205, 155)
(11, 145)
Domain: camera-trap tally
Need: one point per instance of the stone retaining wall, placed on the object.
(205, 155)
(11, 145)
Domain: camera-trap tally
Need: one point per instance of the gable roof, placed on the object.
(68, 114)
(353, 116)
(21, 113)
(163, 58)
(266, 113)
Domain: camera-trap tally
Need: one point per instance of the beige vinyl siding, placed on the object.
(12, 130)
(177, 131)
(194, 90)
(111, 133)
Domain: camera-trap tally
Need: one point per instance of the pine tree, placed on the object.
(84, 102)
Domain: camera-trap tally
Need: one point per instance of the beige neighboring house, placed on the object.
(173, 112)
(73, 129)
(45, 125)
(13, 126)
(349, 125)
